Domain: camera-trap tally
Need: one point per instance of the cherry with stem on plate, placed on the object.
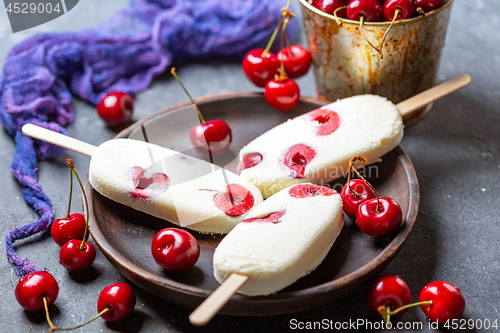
(355, 191)
(116, 108)
(387, 293)
(71, 226)
(378, 217)
(398, 9)
(369, 11)
(214, 134)
(78, 255)
(36, 289)
(282, 93)
(175, 250)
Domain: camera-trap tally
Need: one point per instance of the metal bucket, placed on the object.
(345, 64)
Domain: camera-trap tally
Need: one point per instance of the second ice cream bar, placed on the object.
(172, 186)
(281, 240)
(316, 147)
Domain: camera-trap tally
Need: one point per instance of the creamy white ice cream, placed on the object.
(326, 138)
(170, 185)
(281, 240)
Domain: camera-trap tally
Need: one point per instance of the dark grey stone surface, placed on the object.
(455, 151)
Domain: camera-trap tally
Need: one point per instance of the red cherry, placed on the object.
(65, 229)
(236, 201)
(387, 290)
(210, 138)
(329, 6)
(448, 303)
(282, 95)
(379, 221)
(371, 10)
(175, 250)
(116, 108)
(297, 158)
(31, 289)
(428, 5)
(328, 121)
(260, 70)
(309, 190)
(296, 60)
(352, 201)
(406, 8)
(146, 187)
(272, 217)
(118, 297)
(214, 135)
(73, 258)
(248, 161)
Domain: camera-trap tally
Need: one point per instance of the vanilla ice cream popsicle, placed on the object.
(316, 147)
(172, 186)
(281, 240)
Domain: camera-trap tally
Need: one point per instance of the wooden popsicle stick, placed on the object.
(38, 132)
(430, 95)
(212, 305)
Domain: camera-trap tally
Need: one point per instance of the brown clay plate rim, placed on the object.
(350, 281)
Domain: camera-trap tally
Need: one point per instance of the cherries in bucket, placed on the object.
(376, 11)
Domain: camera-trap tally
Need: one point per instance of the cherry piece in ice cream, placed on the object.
(296, 159)
(236, 201)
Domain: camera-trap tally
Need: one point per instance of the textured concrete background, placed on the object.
(455, 151)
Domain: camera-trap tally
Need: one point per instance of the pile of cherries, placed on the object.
(38, 290)
(376, 216)
(276, 73)
(377, 10)
(389, 295)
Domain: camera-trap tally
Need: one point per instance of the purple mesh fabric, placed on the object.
(43, 73)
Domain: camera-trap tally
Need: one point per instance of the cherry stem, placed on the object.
(378, 49)
(287, 42)
(69, 161)
(351, 166)
(420, 11)
(385, 310)
(54, 328)
(361, 158)
(284, 12)
(282, 66)
(396, 14)
(70, 186)
(47, 315)
(361, 24)
(172, 71)
(338, 19)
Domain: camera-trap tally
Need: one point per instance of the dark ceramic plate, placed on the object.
(124, 235)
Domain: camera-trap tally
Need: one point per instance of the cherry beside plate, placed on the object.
(124, 235)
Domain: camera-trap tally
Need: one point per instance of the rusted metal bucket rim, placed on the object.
(386, 23)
